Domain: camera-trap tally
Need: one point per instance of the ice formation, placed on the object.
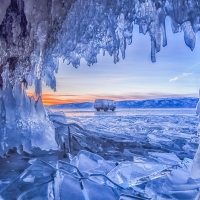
(62, 182)
(85, 178)
(34, 34)
(195, 172)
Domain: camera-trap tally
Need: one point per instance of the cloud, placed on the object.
(174, 79)
(186, 74)
(180, 76)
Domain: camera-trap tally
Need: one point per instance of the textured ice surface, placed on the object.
(108, 132)
(145, 173)
(128, 174)
(195, 173)
(91, 163)
(151, 131)
(34, 34)
(63, 180)
(57, 116)
(176, 185)
(26, 125)
(165, 158)
(34, 182)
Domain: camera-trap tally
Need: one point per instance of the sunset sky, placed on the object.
(175, 74)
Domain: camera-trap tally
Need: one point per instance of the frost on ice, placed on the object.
(34, 34)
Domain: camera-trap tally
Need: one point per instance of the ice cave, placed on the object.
(34, 34)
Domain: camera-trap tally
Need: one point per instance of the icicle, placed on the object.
(189, 35)
(38, 87)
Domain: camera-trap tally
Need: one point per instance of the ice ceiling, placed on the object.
(35, 33)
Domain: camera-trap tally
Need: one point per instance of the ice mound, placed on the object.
(58, 117)
(26, 126)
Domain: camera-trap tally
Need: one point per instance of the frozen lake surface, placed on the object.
(165, 130)
(161, 122)
(141, 150)
(128, 112)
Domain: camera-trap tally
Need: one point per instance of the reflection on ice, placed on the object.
(102, 113)
(128, 174)
(165, 158)
(99, 191)
(32, 183)
(91, 163)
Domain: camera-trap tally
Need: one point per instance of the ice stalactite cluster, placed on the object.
(107, 25)
(25, 38)
(34, 34)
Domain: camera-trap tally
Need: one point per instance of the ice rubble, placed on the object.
(85, 178)
(125, 175)
(34, 34)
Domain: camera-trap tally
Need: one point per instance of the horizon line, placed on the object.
(52, 99)
(46, 104)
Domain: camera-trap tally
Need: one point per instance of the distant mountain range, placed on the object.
(187, 102)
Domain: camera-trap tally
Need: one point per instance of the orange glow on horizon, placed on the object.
(57, 98)
(52, 99)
